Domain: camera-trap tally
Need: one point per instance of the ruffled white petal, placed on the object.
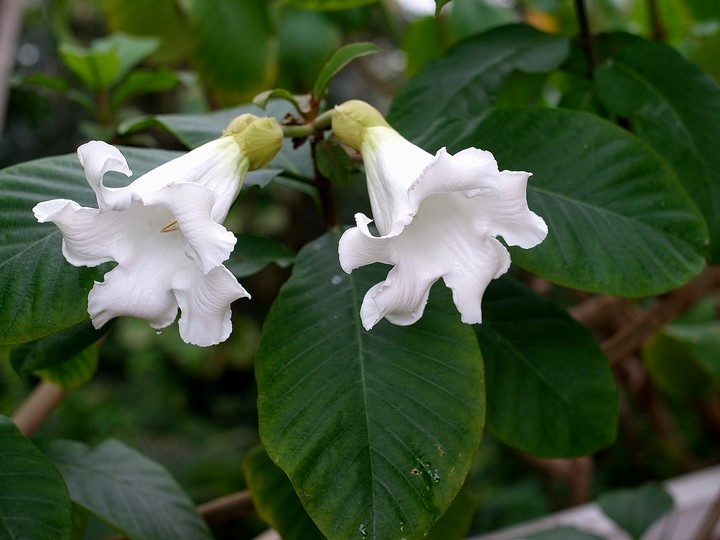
(441, 215)
(164, 232)
(499, 196)
(204, 302)
(358, 247)
(87, 233)
(141, 291)
(98, 158)
(209, 244)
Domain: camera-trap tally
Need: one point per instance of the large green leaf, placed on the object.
(253, 253)
(376, 430)
(235, 49)
(126, 490)
(275, 499)
(635, 510)
(34, 501)
(464, 81)
(619, 221)
(675, 108)
(40, 293)
(550, 391)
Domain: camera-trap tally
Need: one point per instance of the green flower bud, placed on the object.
(351, 120)
(259, 138)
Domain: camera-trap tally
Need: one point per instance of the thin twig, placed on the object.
(657, 30)
(575, 472)
(631, 336)
(586, 38)
(39, 404)
(11, 12)
(227, 508)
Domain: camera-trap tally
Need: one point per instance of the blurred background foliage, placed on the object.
(83, 67)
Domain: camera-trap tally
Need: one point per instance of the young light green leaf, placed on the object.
(338, 61)
(619, 221)
(126, 490)
(550, 391)
(34, 501)
(40, 292)
(262, 99)
(275, 499)
(108, 60)
(635, 510)
(675, 108)
(376, 430)
(463, 82)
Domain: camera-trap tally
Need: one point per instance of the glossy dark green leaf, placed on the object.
(376, 430)
(463, 82)
(635, 510)
(334, 162)
(34, 501)
(253, 253)
(275, 499)
(338, 61)
(74, 372)
(40, 292)
(619, 221)
(126, 490)
(550, 391)
(54, 349)
(234, 47)
(675, 108)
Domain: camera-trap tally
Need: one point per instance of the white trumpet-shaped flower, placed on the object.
(164, 231)
(438, 216)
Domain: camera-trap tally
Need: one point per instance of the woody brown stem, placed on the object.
(37, 407)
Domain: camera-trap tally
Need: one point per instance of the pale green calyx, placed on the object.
(351, 120)
(259, 138)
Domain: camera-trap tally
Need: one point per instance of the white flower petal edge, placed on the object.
(164, 232)
(438, 217)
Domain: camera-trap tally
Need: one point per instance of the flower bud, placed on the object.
(351, 120)
(259, 138)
